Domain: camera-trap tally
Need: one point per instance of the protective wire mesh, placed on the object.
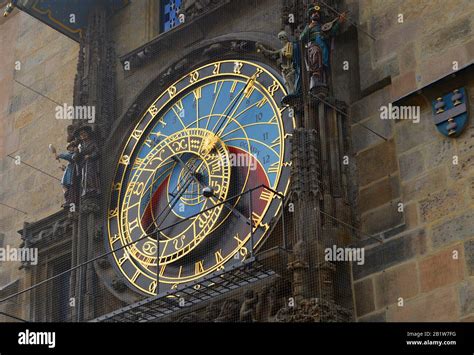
(272, 283)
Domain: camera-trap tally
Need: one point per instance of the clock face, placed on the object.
(180, 194)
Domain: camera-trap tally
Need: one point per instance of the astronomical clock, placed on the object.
(201, 176)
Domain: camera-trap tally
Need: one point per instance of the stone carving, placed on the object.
(57, 229)
(240, 46)
(212, 312)
(270, 300)
(99, 235)
(229, 312)
(95, 83)
(286, 58)
(133, 111)
(214, 48)
(316, 39)
(87, 158)
(305, 170)
(103, 263)
(248, 308)
(313, 310)
(69, 181)
(118, 285)
(193, 8)
(190, 318)
(166, 76)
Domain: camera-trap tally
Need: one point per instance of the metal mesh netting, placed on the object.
(277, 282)
(301, 271)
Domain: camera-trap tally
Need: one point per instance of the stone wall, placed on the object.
(28, 125)
(133, 26)
(413, 165)
(427, 255)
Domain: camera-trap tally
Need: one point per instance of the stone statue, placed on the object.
(248, 312)
(190, 318)
(69, 181)
(212, 312)
(315, 37)
(262, 307)
(229, 312)
(193, 8)
(288, 60)
(87, 158)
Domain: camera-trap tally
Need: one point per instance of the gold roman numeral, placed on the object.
(199, 267)
(162, 269)
(197, 93)
(179, 105)
(258, 72)
(133, 224)
(266, 196)
(135, 276)
(114, 239)
(262, 102)
(273, 168)
(124, 258)
(113, 213)
(276, 142)
(256, 219)
(219, 257)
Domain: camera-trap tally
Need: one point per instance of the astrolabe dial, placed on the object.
(194, 165)
(180, 205)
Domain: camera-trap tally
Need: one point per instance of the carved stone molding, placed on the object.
(313, 310)
(95, 79)
(192, 9)
(43, 233)
(305, 170)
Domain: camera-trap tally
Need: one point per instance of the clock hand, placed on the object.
(247, 86)
(172, 204)
(228, 205)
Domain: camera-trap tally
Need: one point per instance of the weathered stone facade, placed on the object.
(403, 187)
(47, 63)
(414, 166)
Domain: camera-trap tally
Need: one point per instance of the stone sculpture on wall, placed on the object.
(87, 158)
(248, 308)
(316, 39)
(288, 59)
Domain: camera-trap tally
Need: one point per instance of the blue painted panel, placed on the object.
(169, 14)
(58, 13)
